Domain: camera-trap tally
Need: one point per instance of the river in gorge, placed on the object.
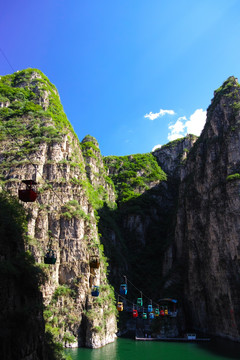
(128, 349)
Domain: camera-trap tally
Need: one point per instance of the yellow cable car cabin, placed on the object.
(120, 306)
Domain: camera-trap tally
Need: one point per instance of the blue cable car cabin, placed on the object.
(140, 302)
(95, 291)
(151, 315)
(123, 289)
(149, 309)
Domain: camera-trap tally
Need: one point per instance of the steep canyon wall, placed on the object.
(168, 220)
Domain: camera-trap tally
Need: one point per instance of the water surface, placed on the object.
(126, 349)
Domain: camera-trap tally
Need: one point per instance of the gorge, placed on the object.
(168, 220)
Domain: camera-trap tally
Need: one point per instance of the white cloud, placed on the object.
(156, 147)
(196, 122)
(182, 127)
(177, 129)
(153, 116)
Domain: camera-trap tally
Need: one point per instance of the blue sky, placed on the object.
(132, 73)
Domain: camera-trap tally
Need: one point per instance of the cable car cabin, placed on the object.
(95, 291)
(166, 310)
(135, 313)
(144, 315)
(139, 301)
(123, 289)
(94, 262)
(29, 194)
(50, 257)
(151, 315)
(156, 312)
(120, 306)
(149, 309)
(161, 312)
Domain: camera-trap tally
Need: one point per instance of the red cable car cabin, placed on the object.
(135, 313)
(29, 194)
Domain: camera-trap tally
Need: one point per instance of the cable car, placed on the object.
(156, 312)
(123, 289)
(95, 291)
(144, 315)
(29, 194)
(149, 309)
(94, 262)
(120, 306)
(161, 312)
(166, 310)
(139, 301)
(135, 313)
(151, 315)
(50, 257)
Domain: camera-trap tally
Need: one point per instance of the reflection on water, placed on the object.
(126, 349)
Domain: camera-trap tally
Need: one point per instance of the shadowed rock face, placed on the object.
(22, 334)
(208, 221)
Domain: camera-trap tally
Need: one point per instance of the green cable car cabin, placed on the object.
(144, 316)
(139, 301)
(50, 257)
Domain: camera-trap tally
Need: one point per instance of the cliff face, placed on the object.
(37, 142)
(168, 220)
(171, 157)
(208, 222)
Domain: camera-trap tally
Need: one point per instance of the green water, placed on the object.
(126, 349)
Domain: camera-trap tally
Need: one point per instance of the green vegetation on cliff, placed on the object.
(133, 174)
(21, 93)
(230, 89)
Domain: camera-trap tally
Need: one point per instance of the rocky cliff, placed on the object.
(169, 220)
(208, 222)
(37, 142)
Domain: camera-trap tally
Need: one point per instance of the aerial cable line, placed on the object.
(7, 59)
(142, 293)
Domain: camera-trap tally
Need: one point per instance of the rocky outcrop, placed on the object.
(96, 171)
(208, 225)
(171, 157)
(38, 143)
